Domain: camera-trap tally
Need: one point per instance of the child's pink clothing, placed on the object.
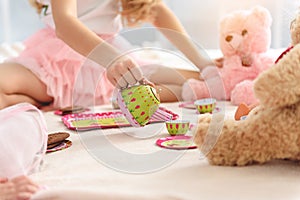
(72, 79)
(60, 68)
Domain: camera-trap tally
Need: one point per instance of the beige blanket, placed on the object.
(125, 163)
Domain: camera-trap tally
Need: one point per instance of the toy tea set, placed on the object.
(140, 105)
(178, 129)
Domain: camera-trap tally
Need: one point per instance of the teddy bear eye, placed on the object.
(228, 38)
(244, 32)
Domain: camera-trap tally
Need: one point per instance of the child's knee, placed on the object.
(3, 100)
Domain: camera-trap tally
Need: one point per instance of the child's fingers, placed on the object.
(121, 83)
(219, 62)
(3, 180)
(25, 192)
(24, 196)
(145, 81)
(124, 73)
(130, 79)
(133, 73)
(136, 73)
(21, 179)
(24, 183)
(32, 188)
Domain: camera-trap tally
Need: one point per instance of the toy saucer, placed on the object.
(70, 110)
(176, 142)
(63, 145)
(187, 105)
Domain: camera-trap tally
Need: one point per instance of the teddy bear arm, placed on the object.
(237, 144)
(262, 137)
(243, 93)
(217, 148)
(279, 85)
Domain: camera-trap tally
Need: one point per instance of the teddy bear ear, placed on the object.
(295, 30)
(263, 15)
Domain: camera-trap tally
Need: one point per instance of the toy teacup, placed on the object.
(205, 105)
(177, 127)
(138, 103)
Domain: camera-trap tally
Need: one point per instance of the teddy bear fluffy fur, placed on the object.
(270, 131)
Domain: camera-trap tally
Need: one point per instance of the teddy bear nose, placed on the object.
(244, 32)
(228, 38)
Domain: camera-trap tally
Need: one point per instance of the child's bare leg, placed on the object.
(169, 93)
(167, 75)
(18, 84)
(169, 81)
(187, 74)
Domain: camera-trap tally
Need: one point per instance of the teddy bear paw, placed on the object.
(209, 126)
(243, 93)
(200, 131)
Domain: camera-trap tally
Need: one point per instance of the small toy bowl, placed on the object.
(205, 105)
(138, 103)
(177, 127)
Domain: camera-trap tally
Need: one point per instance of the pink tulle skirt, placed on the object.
(71, 79)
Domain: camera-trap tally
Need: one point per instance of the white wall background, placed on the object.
(200, 17)
(17, 20)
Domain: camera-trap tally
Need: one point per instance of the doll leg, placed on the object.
(18, 84)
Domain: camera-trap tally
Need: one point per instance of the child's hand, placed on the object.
(124, 72)
(145, 81)
(3, 180)
(219, 62)
(19, 188)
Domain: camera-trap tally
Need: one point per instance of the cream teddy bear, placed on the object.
(271, 130)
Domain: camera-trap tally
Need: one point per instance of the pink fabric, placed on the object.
(23, 140)
(70, 78)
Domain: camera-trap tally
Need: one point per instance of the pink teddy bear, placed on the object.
(245, 37)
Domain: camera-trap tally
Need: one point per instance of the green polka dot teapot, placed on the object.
(138, 103)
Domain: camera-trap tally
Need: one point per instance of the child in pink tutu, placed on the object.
(78, 57)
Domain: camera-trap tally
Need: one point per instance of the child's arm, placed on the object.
(170, 26)
(80, 38)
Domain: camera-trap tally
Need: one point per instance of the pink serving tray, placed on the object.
(112, 119)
